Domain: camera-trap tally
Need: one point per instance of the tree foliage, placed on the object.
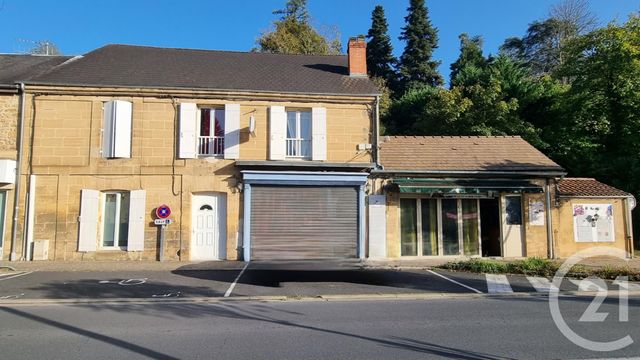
(294, 34)
(417, 68)
(380, 60)
(470, 64)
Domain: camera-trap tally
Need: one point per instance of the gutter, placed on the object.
(16, 191)
(11, 89)
(468, 172)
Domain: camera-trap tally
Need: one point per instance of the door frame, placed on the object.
(503, 224)
(219, 205)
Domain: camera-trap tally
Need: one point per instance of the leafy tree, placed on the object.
(416, 66)
(45, 48)
(471, 63)
(380, 60)
(293, 34)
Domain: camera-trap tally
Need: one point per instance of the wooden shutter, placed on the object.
(88, 229)
(232, 131)
(188, 130)
(135, 240)
(116, 135)
(277, 132)
(122, 137)
(319, 134)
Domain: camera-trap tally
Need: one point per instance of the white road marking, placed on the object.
(498, 283)
(586, 285)
(625, 284)
(541, 284)
(233, 284)
(455, 282)
(16, 275)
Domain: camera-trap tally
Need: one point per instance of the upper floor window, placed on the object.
(298, 141)
(211, 134)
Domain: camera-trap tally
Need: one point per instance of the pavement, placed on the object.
(214, 281)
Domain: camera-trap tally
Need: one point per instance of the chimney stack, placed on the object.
(357, 51)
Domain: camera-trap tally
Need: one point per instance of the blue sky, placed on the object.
(79, 26)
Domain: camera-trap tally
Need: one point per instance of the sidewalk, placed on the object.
(113, 266)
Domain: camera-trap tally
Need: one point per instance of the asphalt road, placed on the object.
(480, 328)
(256, 282)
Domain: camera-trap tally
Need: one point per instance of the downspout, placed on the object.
(376, 135)
(551, 253)
(16, 192)
(630, 205)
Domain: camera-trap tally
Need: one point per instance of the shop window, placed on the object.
(431, 227)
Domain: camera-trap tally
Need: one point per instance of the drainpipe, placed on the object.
(549, 223)
(376, 135)
(16, 191)
(630, 205)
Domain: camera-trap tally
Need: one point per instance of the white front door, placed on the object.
(208, 238)
(512, 226)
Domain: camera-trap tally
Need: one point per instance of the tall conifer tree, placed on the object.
(416, 66)
(380, 60)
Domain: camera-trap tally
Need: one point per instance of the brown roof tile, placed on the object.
(588, 187)
(462, 153)
(20, 67)
(143, 66)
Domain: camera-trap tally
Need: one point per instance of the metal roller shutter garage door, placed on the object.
(303, 222)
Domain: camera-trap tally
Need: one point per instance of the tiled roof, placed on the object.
(588, 187)
(462, 153)
(142, 66)
(20, 67)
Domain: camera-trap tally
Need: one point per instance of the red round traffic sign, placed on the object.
(163, 211)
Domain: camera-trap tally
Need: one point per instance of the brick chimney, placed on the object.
(357, 56)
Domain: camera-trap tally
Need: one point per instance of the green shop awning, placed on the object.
(470, 187)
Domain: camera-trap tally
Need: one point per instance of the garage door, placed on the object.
(305, 222)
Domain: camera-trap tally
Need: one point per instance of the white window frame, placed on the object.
(298, 141)
(440, 239)
(212, 129)
(116, 230)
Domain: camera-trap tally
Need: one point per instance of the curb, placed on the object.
(318, 298)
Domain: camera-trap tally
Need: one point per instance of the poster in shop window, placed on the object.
(536, 212)
(593, 223)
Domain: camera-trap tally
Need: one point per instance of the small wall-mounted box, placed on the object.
(362, 147)
(7, 171)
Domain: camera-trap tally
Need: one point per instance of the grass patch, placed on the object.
(538, 267)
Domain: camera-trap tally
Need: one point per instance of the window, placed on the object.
(298, 139)
(513, 210)
(116, 129)
(115, 220)
(211, 133)
(439, 227)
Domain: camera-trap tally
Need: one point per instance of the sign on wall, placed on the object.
(593, 223)
(536, 212)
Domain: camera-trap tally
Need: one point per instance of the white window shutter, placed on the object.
(135, 240)
(108, 128)
(88, 229)
(188, 127)
(122, 137)
(319, 133)
(277, 132)
(232, 131)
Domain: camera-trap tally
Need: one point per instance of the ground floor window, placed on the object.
(431, 227)
(115, 217)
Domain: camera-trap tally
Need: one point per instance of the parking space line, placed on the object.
(541, 284)
(498, 284)
(13, 276)
(455, 282)
(233, 284)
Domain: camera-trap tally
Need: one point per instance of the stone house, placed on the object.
(257, 156)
